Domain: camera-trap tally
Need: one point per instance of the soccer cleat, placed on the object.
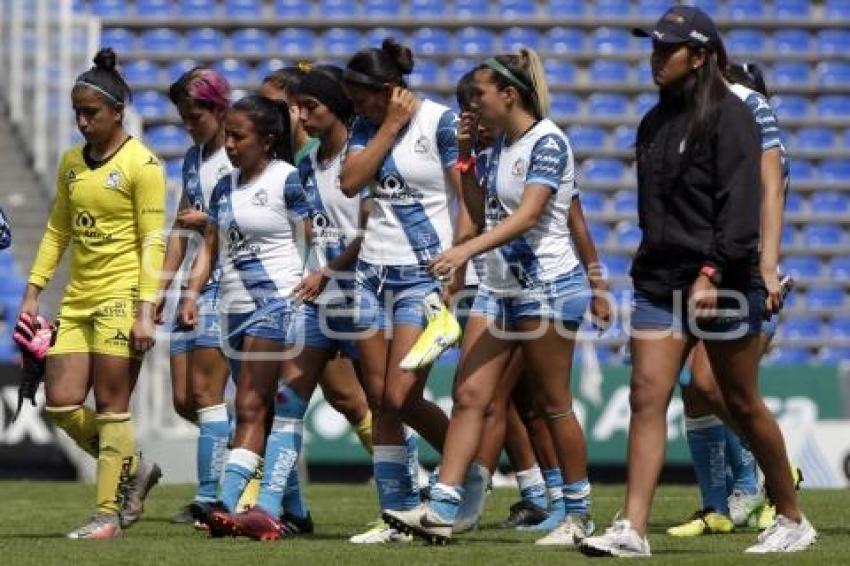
(147, 476)
(251, 492)
(620, 540)
(574, 529)
(184, 516)
(422, 522)
(475, 489)
(380, 533)
(256, 524)
(785, 536)
(218, 520)
(442, 331)
(101, 526)
(525, 513)
(743, 506)
(765, 517)
(705, 521)
(290, 525)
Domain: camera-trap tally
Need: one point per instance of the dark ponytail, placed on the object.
(270, 119)
(105, 78)
(749, 75)
(374, 68)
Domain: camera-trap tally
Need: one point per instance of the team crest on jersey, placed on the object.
(519, 168)
(260, 198)
(113, 180)
(422, 145)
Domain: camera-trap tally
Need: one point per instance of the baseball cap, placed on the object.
(684, 24)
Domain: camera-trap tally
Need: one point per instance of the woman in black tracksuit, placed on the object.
(696, 274)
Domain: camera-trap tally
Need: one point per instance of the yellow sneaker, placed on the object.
(442, 332)
(702, 522)
(766, 516)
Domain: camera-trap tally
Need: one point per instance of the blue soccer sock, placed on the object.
(212, 446)
(445, 501)
(393, 479)
(293, 498)
(557, 504)
(240, 467)
(411, 444)
(707, 443)
(282, 449)
(577, 497)
(532, 486)
(742, 463)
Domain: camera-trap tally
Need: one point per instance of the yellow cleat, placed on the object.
(442, 332)
(703, 522)
(766, 516)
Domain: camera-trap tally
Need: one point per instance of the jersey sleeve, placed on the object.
(550, 163)
(149, 207)
(56, 235)
(215, 197)
(447, 138)
(189, 189)
(294, 196)
(5, 231)
(361, 132)
(766, 119)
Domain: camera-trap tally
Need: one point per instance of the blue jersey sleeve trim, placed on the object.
(362, 131)
(294, 196)
(548, 162)
(447, 138)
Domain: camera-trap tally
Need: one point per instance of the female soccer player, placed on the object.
(714, 446)
(258, 219)
(199, 370)
(110, 208)
(407, 146)
(534, 293)
(699, 202)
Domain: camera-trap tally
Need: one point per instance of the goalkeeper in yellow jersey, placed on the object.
(109, 208)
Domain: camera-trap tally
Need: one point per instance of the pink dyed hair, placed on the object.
(208, 87)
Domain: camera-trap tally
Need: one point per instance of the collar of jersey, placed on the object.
(92, 164)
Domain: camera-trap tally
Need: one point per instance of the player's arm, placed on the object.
(465, 228)
(586, 249)
(772, 211)
(175, 251)
(346, 260)
(471, 192)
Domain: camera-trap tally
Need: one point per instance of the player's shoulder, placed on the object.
(136, 155)
(755, 100)
(547, 136)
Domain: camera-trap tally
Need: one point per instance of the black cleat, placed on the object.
(291, 525)
(525, 513)
(184, 516)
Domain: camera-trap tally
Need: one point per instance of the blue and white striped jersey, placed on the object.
(5, 231)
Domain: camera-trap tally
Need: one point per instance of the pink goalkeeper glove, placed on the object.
(33, 339)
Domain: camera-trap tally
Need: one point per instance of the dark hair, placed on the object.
(105, 78)
(204, 86)
(270, 119)
(525, 74)
(287, 79)
(465, 91)
(704, 89)
(373, 68)
(748, 74)
(324, 83)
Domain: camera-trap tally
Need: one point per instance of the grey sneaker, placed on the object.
(137, 489)
(421, 522)
(620, 540)
(101, 526)
(573, 530)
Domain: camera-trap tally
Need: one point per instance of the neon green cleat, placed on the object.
(442, 332)
(703, 522)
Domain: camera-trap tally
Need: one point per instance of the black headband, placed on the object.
(357, 77)
(328, 91)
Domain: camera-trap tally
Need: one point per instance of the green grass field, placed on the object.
(36, 515)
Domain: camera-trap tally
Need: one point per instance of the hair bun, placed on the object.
(106, 59)
(400, 54)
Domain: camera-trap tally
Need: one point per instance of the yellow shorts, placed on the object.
(97, 328)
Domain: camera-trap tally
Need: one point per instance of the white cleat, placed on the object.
(101, 526)
(136, 491)
(420, 522)
(743, 506)
(785, 536)
(620, 541)
(574, 529)
(380, 533)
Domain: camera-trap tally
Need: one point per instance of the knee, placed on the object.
(743, 407)
(251, 409)
(556, 406)
(645, 399)
(467, 397)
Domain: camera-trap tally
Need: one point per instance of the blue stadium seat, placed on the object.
(830, 203)
(427, 8)
(375, 37)
(206, 40)
(592, 202)
(267, 67)
(428, 41)
(802, 266)
(109, 8)
(624, 137)
(833, 41)
(602, 170)
(625, 202)
(296, 42)
(609, 71)
(745, 41)
(618, 265)
(607, 104)
(342, 42)
(652, 9)
(803, 170)
(599, 232)
(381, 8)
(801, 327)
(824, 236)
(155, 8)
(827, 298)
(611, 8)
(788, 73)
(425, 72)
(565, 40)
(837, 10)
(815, 138)
(643, 73)
(791, 9)
(162, 40)
(174, 169)
(517, 8)
(746, 9)
(472, 8)
(236, 71)
(834, 73)
(612, 40)
(177, 68)
(459, 67)
(293, 8)
(644, 102)
(787, 357)
(565, 105)
(337, 8)
(794, 203)
(474, 41)
(845, 141)
(628, 234)
(197, 8)
(839, 327)
(515, 37)
(141, 72)
(792, 41)
(151, 104)
(711, 7)
(790, 106)
(833, 106)
(583, 138)
(120, 39)
(833, 356)
(839, 267)
(168, 138)
(251, 40)
(835, 170)
(565, 8)
(790, 235)
(559, 71)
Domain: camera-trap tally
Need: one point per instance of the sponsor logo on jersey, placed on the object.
(84, 220)
(117, 309)
(113, 180)
(493, 209)
(324, 231)
(392, 187)
(86, 223)
(519, 167)
(422, 145)
(72, 176)
(236, 243)
(550, 143)
(120, 339)
(260, 198)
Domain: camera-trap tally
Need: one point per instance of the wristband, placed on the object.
(465, 164)
(712, 273)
